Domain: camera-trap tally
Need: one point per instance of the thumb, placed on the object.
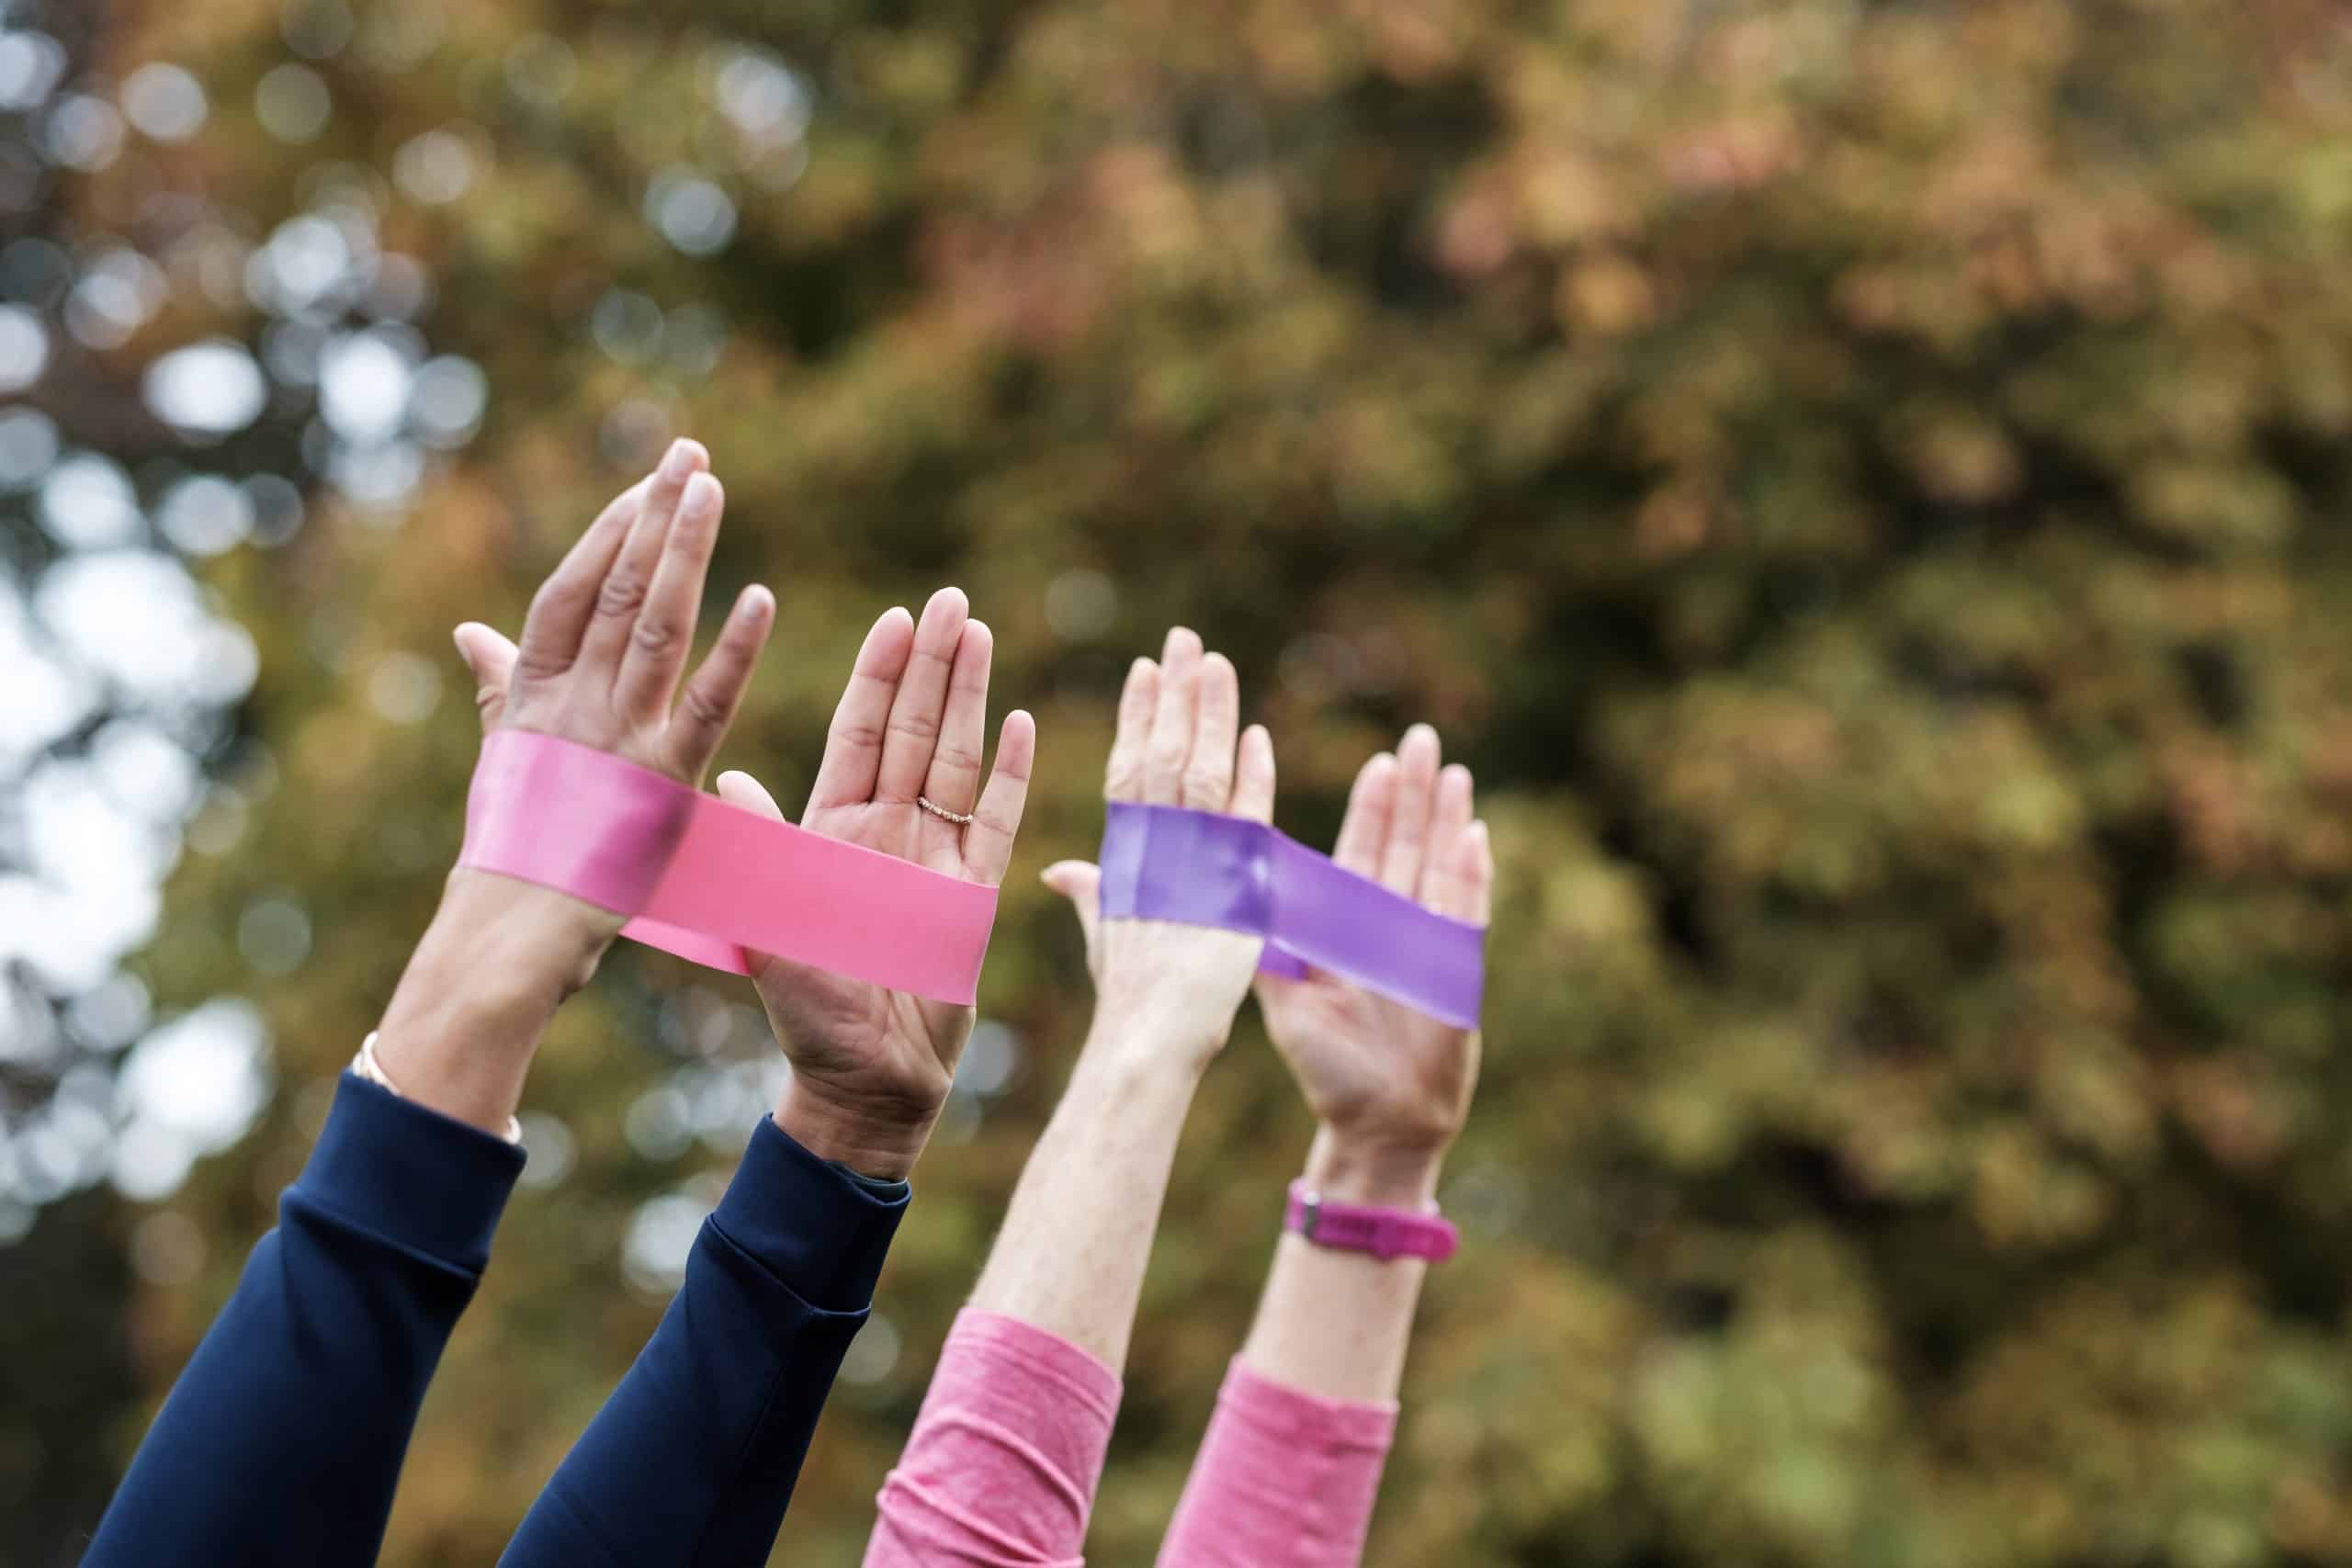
(1080, 882)
(492, 659)
(741, 789)
(736, 788)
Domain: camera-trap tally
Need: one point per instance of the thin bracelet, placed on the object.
(367, 1067)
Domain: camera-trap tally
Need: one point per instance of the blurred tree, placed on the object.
(1861, 482)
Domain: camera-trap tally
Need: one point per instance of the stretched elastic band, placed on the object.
(1163, 863)
(707, 880)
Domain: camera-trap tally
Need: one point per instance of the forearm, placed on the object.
(1336, 1324)
(1290, 1464)
(1002, 1465)
(282, 1440)
(1002, 1468)
(464, 1021)
(1076, 1240)
(693, 1459)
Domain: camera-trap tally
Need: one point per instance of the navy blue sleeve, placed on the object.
(691, 1462)
(283, 1438)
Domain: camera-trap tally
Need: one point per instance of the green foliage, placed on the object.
(1862, 483)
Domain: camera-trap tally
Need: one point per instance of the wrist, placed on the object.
(1350, 1169)
(464, 1021)
(1137, 1042)
(543, 942)
(497, 960)
(881, 1145)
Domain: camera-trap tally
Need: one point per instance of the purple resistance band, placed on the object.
(1196, 868)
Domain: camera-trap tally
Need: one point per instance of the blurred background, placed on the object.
(1864, 483)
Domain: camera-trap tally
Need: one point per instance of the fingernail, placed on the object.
(755, 602)
(677, 461)
(458, 635)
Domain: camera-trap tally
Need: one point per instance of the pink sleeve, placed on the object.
(1002, 1465)
(1285, 1479)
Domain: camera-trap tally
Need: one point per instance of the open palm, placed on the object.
(912, 725)
(1368, 1066)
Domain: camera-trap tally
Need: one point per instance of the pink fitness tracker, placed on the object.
(1356, 1227)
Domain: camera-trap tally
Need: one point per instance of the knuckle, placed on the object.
(701, 708)
(623, 594)
(690, 535)
(915, 726)
(655, 635)
(1205, 782)
(861, 736)
(956, 755)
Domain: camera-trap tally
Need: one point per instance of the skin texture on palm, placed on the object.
(872, 1067)
(1375, 1070)
(602, 654)
(1175, 745)
(1071, 1255)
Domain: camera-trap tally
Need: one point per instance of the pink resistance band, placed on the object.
(707, 880)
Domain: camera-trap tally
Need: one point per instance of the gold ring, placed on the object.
(961, 818)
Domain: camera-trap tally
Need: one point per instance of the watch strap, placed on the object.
(1385, 1232)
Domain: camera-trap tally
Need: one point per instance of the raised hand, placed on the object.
(1391, 1085)
(607, 634)
(1070, 1257)
(603, 653)
(607, 638)
(871, 1068)
(1161, 984)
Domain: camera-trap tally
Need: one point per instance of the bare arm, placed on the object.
(1070, 1257)
(600, 663)
(1002, 1464)
(1312, 1396)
